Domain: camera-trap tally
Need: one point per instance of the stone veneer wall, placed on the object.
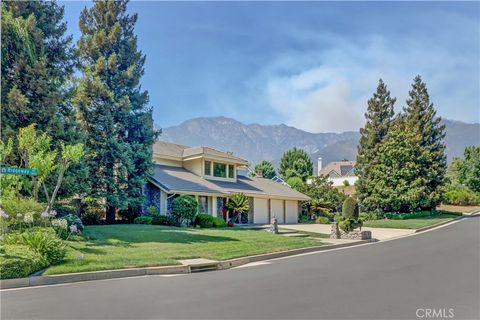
(337, 233)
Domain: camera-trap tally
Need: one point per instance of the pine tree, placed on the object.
(295, 163)
(420, 118)
(379, 117)
(113, 107)
(266, 169)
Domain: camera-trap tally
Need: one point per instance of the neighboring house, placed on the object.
(338, 172)
(211, 176)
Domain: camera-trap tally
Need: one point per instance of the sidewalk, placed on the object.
(377, 233)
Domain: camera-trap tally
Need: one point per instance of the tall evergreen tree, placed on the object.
(379, 117)
(295, 163)
(420, 118)
(113, 107)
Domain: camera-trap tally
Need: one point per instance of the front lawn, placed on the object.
(409, 223)
(127, 246)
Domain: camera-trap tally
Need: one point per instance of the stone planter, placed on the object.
(337, 233)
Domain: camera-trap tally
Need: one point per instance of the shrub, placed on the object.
(348, 225)
(153, 211)
(184, 209)
(41, 240)
(74, 220)
(369, 216)
(304, 218)
(204, 220)
(18, 261)
(322, 220)
(411, 215)
(143, 220)
(91, 218)
(350, 208)
(21, 212)
(219, 223)
(163, 221)
(295, 183)
(63, 210)
(461, 197)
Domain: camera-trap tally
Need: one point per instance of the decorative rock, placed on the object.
(274, 225)
(337, 233)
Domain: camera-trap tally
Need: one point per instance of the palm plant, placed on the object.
(238, 203)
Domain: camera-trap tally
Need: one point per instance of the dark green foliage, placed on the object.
(369, 216)
(238, 204)
(204, 220)
(63, 210)
(152, 211)
(324, 196)
(469, 169)
(296, 163)
(266, 169)
(18, 261)
(350, 208)
(322, 220)
(73, 219)
(411, 215)
(113, 108)
(379, 117)
(163, 221)
(461, 196)
(91, 218)
(219, 223)
(143, 220)
(184, 209)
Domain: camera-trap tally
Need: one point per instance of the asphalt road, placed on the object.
(437, 270)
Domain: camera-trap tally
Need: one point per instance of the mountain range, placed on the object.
(256, 142)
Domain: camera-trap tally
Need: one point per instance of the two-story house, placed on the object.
(211, 176)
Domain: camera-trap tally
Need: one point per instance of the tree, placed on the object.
(113, 108)
(296, 163)
(295, 183)
(469, 169)
(266, 169)
(238, 203)
(379, 117)
(184, 209)
(420, 118)
(324, 196)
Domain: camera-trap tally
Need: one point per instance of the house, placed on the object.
(211, 176)
(338, 172)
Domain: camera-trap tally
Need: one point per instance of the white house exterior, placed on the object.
(338, 172)
(211, 176)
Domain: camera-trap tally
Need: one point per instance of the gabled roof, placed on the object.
(341, 168)
(179, 180)
(180, 152)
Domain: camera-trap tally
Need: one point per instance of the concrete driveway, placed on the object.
(377, 233)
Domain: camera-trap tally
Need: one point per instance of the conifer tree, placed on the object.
(379, 117)
(295, 163)
(113, 107)
(420, 118)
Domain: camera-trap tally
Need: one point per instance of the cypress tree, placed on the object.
(420, 118)
(379, 117)
(113, 107)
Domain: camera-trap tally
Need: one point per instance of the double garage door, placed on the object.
(286, 211)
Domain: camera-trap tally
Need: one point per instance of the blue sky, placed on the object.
(312, 65)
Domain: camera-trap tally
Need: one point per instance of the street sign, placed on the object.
(19, 171)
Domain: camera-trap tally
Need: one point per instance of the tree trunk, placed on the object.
(110, 214)
(57, 187)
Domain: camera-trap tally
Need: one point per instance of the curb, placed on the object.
(33, 281)
(445, 222)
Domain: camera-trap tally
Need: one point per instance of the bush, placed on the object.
(18, 261)
(184, 209)
(153, 211)
(219, 223)
(304, 218)
(41, 240)
(350, 208)
(91, 218)
(348, 225)
(143, 220)
(411, 215)
(461, 197)
(63, 210)
(21, 212)
(74, 220)
(204, 220)
(322, 220)
(369, 216)
(163, 221)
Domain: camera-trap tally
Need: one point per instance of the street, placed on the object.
(399, 279)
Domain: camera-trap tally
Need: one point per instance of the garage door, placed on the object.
(260, 210)
(291, 211)
(276, 209)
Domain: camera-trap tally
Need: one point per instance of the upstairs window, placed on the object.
(208, 168)
(231, 171)
(219, 170)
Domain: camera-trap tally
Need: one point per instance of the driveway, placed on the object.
(378, 233)
(400, 279)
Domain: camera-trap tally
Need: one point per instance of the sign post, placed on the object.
(19, 171)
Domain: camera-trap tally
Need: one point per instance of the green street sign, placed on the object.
(19, 171)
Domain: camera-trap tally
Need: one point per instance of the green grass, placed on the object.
(127, 246)
(409, 223)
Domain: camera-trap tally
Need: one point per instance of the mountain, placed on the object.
(256, 142)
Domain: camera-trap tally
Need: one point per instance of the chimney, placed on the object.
(319, 166)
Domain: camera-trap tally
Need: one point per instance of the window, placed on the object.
(231, 171)
(208, 168)
(203, 204)
(219, 170)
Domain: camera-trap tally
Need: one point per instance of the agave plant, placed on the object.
(238, 203)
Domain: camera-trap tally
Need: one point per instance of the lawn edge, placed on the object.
(460, 217)
(33, 281)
